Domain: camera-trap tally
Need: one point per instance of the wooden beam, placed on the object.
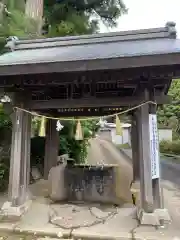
(12, 68)
(92, 102)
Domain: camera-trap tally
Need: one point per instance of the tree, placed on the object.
(61, 17)
(14, 22)
(71, 17)
(169, 115)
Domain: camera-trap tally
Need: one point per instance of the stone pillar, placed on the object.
(51, 147)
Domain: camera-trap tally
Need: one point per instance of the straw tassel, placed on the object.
(118, 126)
(79, 134)
(42, 131)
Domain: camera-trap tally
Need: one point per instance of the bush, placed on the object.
(5, 141)
(4, 173)
(76, 149)
(170, 147)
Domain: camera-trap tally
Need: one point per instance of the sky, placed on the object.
(144, 14)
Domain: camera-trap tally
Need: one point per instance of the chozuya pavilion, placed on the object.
(121, 69)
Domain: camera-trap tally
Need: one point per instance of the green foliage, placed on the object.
(60, 11)
(78, 149)
(5, 138)
(75, 24)
(4, 169)
(17, 25)
(5, 121)
(92, 126)
(68, 144)
(63, 20)
(5, 128)
(169, 115)
(170, 147)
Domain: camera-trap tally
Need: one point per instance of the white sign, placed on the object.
(154, 146)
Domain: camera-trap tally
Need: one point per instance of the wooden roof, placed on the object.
(98, 70)
(127, 49)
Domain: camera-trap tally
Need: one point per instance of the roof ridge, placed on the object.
(169, 31)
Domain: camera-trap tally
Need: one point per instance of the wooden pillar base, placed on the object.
(11, 213)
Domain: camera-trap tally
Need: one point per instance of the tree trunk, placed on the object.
(1, 11)
(34, 10)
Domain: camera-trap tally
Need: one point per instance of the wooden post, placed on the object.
(135, 147)
(151, 211)
(11, 170)
(25, 157)
(16, 154)
(156, 183)
(51, 147)
(145, 159)
(29, 132)
(20, 156)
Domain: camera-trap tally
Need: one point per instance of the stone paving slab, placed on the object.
(100, 234)
(6, 236)
(118, 227)
(8, 227)
(150, 233)
(122, 225)
(36, 221)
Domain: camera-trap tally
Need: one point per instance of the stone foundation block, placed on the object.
(11, 213)
(157, 218)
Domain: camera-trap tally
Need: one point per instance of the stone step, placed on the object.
(23, 237)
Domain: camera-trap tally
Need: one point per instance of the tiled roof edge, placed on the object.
(169, 31)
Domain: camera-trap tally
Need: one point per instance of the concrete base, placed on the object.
(157, 218)
(11, 213)
(148, 218)
(163, 216)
